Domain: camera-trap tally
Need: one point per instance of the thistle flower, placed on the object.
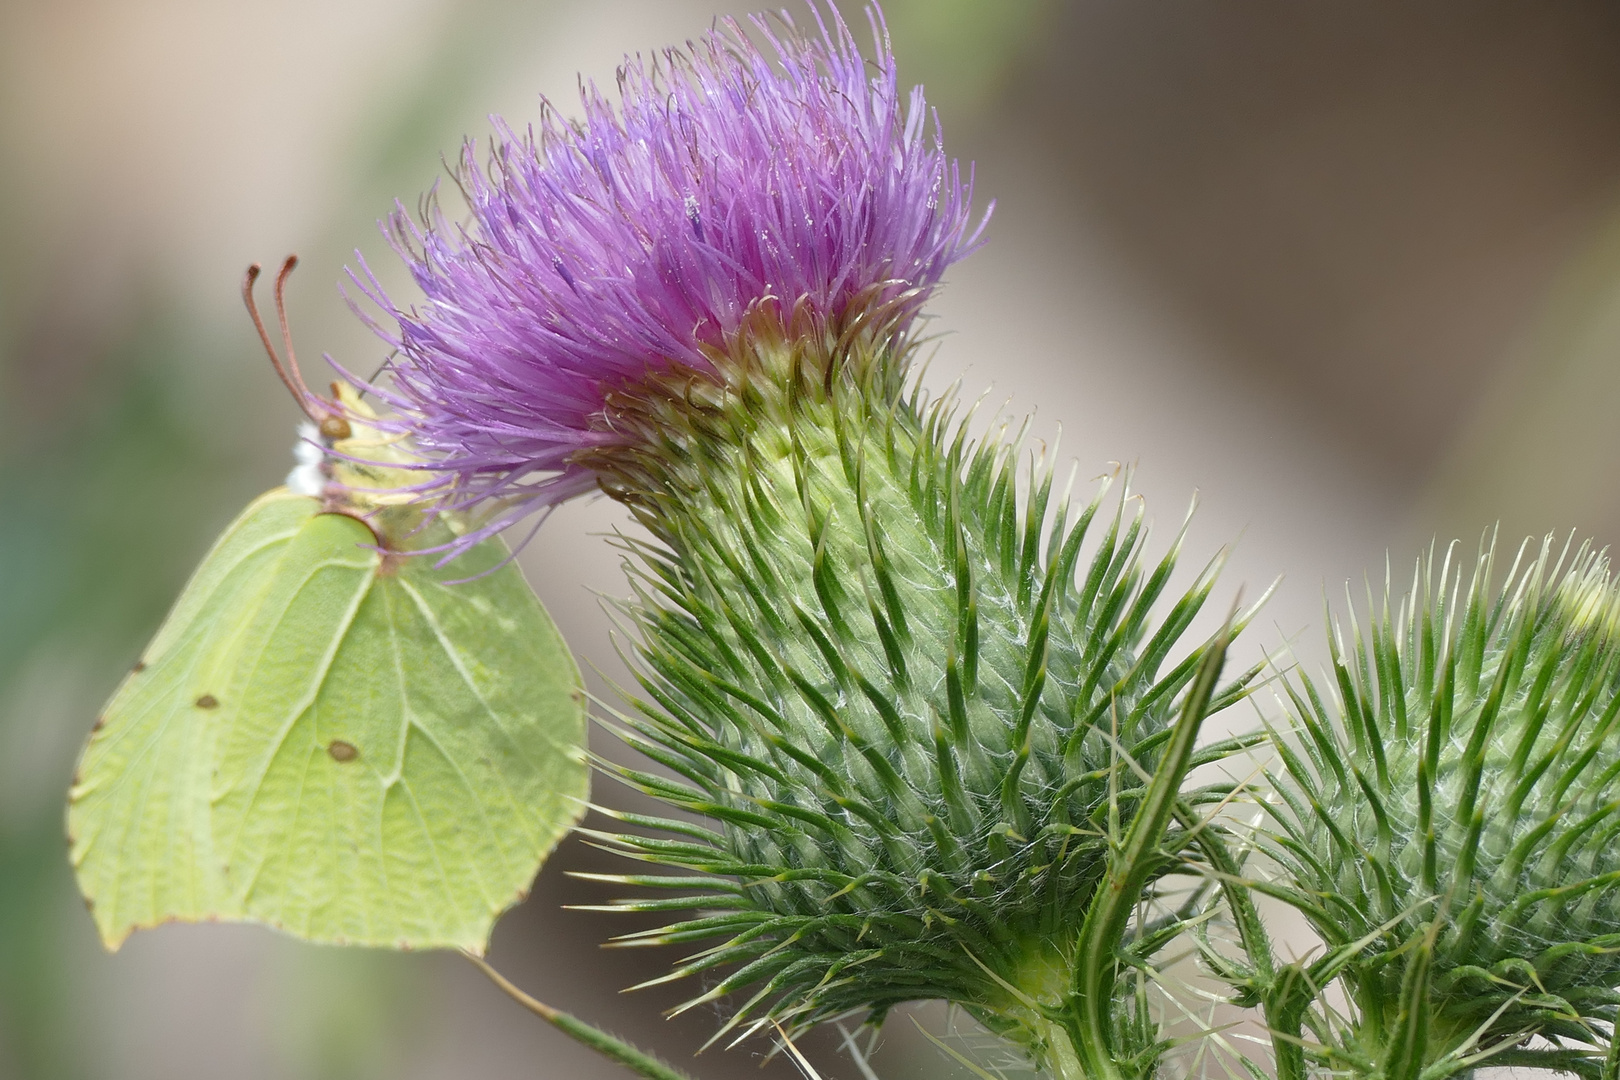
(918, 729)
(791, 183)
(1449, 822)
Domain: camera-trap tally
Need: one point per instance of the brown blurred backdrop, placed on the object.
(1351, 271)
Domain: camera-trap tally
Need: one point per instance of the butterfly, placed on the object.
(330, 734)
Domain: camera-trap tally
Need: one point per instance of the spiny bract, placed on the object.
(916, 715)
(1450, 820)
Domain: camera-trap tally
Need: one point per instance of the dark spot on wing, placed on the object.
(208, 701)
(342, 751)
(140, 665)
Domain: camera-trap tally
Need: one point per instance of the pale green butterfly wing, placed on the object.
(399, 782)
(387, 759)
(138, 812)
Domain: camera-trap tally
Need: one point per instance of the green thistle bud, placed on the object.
(917, 717)
(1449, 821)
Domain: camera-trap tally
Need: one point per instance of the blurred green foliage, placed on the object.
(964, 51)
(92, 559)
(1543, 449)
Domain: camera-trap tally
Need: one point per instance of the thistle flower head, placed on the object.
(790, 183)
(1450, 823)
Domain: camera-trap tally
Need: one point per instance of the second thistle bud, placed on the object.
(1447, 817)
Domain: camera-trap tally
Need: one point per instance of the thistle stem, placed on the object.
(608, 1046)
(1279, 994)
(1091, 1013)
(1060, 1060)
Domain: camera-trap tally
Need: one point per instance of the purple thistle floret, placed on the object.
(634, 244)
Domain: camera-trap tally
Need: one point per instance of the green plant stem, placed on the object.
(1060, 1060)
(608, 1046)
(1279, 994)
(1091, 1005)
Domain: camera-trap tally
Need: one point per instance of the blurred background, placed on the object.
(1351, 272)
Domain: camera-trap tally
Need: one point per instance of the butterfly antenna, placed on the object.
(286, 333)
(291, 379)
